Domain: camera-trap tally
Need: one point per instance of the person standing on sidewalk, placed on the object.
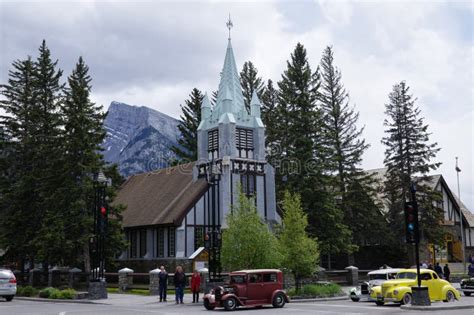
(163, 282)
(446, 272)
(195, 285)
(179, 284)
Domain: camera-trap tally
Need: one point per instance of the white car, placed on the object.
(376, 277)
(7, 284)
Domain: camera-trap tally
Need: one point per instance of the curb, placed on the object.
(32, 299)
(436, 308)
(337, 298)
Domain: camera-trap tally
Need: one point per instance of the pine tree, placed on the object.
(190, 119)
(270, 119)
(250, 82)
(408, 158)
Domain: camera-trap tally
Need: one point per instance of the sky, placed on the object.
(153, 53)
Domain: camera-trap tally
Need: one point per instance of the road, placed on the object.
(329, 308)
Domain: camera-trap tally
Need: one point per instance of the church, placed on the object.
(169, 211)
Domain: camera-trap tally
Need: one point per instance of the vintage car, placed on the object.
(376, 277)
(249, 288)
(399, 289)
(467, 286)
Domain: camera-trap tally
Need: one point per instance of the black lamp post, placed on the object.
(213, 237)
(98, 286)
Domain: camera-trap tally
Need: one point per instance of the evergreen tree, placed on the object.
(300, 252)
(248, 243)
(270, 119)
(190, 119)
(250, 82)
(408, 158)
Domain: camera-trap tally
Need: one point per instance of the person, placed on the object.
(446, 272)
(179, 280)
(438, 270)
(471, 270)
(424, 265)
(430, 266)
(163, 282)
(195, 285)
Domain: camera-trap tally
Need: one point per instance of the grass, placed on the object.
(317, 290)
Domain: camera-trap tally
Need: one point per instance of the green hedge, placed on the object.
(317, 290)
(26, 291)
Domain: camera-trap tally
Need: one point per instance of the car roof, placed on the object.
(255, 271)
(384, 271)
(414, 270)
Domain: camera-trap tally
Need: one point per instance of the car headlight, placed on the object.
(395, 292)
(371, 291)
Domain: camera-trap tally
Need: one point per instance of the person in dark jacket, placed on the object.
(163, 282)
(446, 272)
(195, 285)
(179, 284)
(438, 270)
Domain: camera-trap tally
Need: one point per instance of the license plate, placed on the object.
(380, 298)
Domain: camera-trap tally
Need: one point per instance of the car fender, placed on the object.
(401, 291)
(210, 297)
(445, 290)
(374, 291)
(287, 298)
(229, 295)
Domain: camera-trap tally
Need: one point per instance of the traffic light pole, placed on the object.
(417, 237)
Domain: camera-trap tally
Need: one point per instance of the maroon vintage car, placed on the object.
(249, 288)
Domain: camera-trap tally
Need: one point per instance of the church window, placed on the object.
(171, 241)
(142, 243)
(160, 242)
(244, 143)
(213, 144)
(132, 238)
(198, 237)
(247, 182)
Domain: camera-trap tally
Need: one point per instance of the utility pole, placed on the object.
(458, 170)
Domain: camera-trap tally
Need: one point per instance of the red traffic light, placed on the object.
(206, 237)
(103, 211)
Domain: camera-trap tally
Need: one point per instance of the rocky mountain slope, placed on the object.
(138, 138)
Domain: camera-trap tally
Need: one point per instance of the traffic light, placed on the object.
(207, 241)
(411, 222)
(102, 219)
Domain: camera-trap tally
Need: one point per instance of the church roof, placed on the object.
(160, 197)
(229, 86)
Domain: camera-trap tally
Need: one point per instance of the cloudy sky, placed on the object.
(154, 52)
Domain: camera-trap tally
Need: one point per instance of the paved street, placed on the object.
(149, 305)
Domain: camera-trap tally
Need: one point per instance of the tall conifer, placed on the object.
(250, 82)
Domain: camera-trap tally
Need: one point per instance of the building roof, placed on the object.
(160, 197)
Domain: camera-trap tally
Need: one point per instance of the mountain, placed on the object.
(138, 138)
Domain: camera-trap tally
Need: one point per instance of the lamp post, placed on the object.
(458, 170)
(97, 283)
(213, 176)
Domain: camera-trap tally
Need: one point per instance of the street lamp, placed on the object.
(458, 170)
(213, 176)
(97, 283)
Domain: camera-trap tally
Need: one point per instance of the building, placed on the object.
(169, 211)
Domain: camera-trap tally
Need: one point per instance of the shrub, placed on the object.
(49, 293)
(26, 291)
(317, 290)
(68, 294)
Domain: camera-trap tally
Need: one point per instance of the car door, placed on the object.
(270, 282)
(255, 289)
(428, 281)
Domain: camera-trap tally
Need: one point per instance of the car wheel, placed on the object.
(9, 298)
(208, 305)
(230, 304)
(379, 303)
(354, 299)
(467, 293)
(278, 300)
(406, 299)
(450, 297)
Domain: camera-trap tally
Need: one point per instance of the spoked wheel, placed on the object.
(450, 297)
(208, 305)
(278, 300)
(406, 299)
(230, 304)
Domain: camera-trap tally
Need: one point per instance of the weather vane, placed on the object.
(229, 25)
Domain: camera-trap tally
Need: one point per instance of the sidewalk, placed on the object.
(465, 303)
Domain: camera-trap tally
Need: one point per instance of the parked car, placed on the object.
(399, 290)
(7, 284)
(376, 277)
(467, 286)
(249, 288)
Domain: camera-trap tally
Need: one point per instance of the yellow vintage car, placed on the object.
(399, 290)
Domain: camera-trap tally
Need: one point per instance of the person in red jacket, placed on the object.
(195, 285)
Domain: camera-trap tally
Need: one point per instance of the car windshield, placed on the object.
(406, 275)
(380, 276)
(237, 279)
